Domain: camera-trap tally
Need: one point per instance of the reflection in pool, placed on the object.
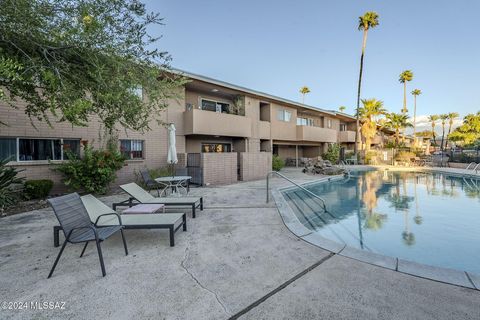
(429, 218)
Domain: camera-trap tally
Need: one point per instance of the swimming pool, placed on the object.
(425, 217)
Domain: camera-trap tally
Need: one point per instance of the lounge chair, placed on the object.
(78, 228)
(139, 195)
(102, 215)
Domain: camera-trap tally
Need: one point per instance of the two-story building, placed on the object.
(224, 131)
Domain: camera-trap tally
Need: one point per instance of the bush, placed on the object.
(333, 153)
(277, 163)
(38, 189)
(404, 156)
(8, 180)
(369, 156)
(94, 172)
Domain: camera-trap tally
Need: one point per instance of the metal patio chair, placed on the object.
(77, 227)
(151, 184)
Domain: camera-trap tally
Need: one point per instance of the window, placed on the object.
(8, 149)
(284, 115)
(132, 149)
(216, 147)
(343, 127)
(215, 106)
(71, 147)
(46, 149)
(304, 122)
(329, 123)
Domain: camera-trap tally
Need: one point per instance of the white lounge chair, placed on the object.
(102, 215)
(140, 195)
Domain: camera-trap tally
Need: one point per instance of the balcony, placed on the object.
(316, 134)
(264, 130)
(346, 136)
(204, 122)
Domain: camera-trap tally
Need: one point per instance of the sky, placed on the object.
(278, 46)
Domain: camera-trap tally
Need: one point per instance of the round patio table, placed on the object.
(174, 183)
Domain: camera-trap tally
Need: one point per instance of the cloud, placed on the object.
(424, 124)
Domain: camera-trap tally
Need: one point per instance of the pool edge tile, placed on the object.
(475, 278)
(287, 215)
(324, 243)
(370, 257)
(449, 276)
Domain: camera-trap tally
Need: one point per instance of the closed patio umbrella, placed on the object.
(172, 149)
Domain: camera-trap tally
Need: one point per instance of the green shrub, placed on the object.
(94, 172)
(333, 153)
(369, 156)
(404, 156)
(38, 189)
(277, 163)
(8, 180)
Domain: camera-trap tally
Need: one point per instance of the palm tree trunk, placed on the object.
(414, 115)
(404, 110)
(449, 131)
(303, 98)
(433, 135)
(414, 121)
(357, 131)
(397, 138)
(443, 136)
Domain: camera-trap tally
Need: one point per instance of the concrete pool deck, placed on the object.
(237, 259)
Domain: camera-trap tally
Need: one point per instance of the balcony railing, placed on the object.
(204, 122)
(317, 134)
(346, 136)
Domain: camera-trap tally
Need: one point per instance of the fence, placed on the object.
(465, 156)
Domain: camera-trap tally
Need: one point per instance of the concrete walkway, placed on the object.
(236, 259)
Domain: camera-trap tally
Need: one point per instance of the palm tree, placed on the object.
(433, 119)
(451, 118)
(415, 93)
(304, 90)
(397, 122)
(404, 77)
(342, 108)
(443, 118)
(372, 108)
(366, 22)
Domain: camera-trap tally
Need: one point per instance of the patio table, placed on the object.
(145, 208)
(174, 183)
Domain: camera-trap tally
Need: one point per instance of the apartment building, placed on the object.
(224, 131)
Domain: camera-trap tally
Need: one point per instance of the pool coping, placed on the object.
(445, 275)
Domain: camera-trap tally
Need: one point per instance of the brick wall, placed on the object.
(155, 141)
(254, 166)
(219, 168)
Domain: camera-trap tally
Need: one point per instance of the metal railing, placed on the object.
(342, 164)
(294, 183)
(471, 163)
(476, 167)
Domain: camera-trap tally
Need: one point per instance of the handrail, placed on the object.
(342, 164)
(296, 184)
(468, 167)
(475, 169)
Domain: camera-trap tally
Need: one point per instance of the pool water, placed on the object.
(429, 218)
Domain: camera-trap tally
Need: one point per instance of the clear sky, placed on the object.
(277, 46)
